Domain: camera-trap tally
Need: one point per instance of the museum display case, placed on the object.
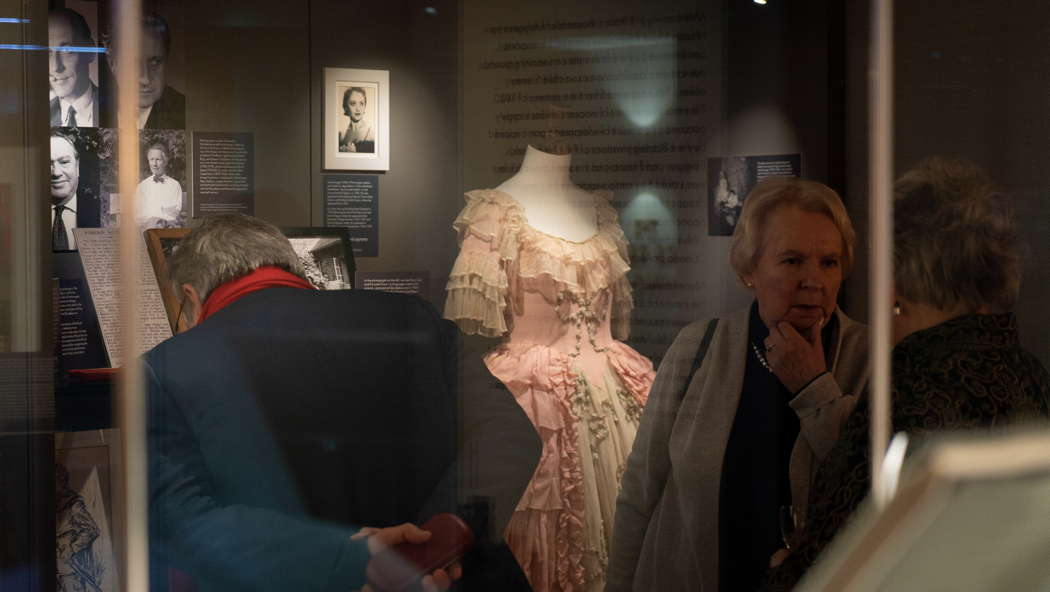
(555, 191)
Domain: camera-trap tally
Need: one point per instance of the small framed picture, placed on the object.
(356, 119)
(160, 243)
(325, 253)
(88, 510)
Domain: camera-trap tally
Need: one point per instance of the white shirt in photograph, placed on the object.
(85, 107)
(158, 199)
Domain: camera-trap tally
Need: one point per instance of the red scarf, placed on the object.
(233, 290)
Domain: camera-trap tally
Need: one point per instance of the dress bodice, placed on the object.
(512, 280)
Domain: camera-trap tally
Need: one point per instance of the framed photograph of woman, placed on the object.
(356, 119)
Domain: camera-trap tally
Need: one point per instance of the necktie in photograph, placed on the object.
(59, 240)
(71, 121)
(158, 178)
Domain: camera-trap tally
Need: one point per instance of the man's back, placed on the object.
(291, 418)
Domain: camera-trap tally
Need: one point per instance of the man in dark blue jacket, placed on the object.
(288, 418)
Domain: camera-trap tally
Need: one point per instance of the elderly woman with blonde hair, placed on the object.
(745, 406)
(957, 359)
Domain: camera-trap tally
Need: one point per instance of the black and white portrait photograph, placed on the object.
(73, 184)
(86, 505)
(357, 120)
(161, 196)
(728, 181)
(359, 134)
(731, 178)
(161, 74)
(73, 65)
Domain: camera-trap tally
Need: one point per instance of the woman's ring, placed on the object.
(770, 347)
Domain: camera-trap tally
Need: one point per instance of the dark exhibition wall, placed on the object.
(786, 78)
(258, 68)
(247, 71)
(970, 82)
(420, 195)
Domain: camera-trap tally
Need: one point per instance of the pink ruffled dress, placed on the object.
(561, 307)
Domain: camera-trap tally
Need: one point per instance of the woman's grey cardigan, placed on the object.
(666, 532)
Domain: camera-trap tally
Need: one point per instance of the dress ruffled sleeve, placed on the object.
(620, 286)
(478, 284)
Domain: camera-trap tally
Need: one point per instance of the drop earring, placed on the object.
(896, 309)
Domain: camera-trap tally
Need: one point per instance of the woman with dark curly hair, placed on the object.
(957, 360)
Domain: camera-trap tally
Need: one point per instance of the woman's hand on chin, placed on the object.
(794, 359)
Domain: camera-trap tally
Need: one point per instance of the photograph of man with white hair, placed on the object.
(158, 196)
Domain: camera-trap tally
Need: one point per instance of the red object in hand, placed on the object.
(402, 566)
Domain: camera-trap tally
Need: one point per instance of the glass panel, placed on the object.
(561, 181)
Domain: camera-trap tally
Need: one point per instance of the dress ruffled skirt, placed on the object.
(561, 528)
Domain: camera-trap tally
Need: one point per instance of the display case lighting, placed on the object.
(761, 2)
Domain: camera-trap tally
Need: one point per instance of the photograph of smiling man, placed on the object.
(71, 61)
(74, 186)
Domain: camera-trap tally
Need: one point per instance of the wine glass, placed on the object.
(790, 526)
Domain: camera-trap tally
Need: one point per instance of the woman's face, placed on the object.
(799, 268)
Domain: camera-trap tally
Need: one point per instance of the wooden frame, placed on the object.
(89, 511)
(339, 155)
(159, 242)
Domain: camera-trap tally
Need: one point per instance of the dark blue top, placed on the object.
(755, 481)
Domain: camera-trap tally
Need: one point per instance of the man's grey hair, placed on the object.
(228, 247)
(955, 238)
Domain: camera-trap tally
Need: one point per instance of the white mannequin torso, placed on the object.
(553, 204)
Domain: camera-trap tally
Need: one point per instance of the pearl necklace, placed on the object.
(761, 358)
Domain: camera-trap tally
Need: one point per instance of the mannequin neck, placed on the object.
(551, 201)
(540, 167)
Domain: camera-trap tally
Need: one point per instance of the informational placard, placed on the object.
(352, 202)
(78, 338)
(224, 173)
(78, 341)
(731, 178)
(99, 253)
(400, 282)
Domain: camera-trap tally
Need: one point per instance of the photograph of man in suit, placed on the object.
(75, 100)
(160, 105)
(359, 135)
(69, 209)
